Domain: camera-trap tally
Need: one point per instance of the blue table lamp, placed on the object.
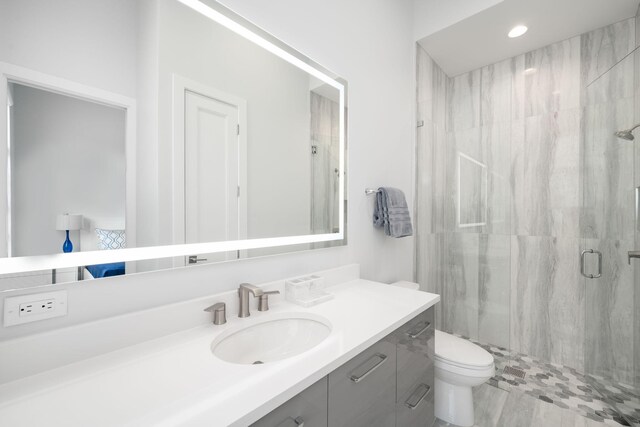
(66, 223)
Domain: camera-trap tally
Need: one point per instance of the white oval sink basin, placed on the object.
(271, 339)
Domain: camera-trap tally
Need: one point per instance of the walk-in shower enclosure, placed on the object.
(518, 172)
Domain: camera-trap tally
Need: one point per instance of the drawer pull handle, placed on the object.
(415, 333)
(418, 396)
(370, 365)
(292, 422)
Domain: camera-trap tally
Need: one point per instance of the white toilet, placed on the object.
(459, 365)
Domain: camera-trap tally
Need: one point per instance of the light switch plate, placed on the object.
(33, 307)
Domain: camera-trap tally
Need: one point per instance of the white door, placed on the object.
(211, 173)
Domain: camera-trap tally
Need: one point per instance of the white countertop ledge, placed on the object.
(176, 380)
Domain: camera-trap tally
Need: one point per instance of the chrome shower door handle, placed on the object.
(637, 216)
(633, 254)
(599, 274)
(582, 256)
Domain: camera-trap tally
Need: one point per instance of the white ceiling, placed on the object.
(482, 38)
(430, 16)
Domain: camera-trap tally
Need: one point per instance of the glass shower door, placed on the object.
(607, 233)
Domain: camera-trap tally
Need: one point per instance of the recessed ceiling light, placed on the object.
(517, 31)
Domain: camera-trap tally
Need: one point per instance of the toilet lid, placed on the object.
(407, 285)
(460, 352)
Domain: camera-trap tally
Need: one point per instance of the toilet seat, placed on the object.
(458, 355)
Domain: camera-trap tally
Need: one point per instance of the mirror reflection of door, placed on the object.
(212, 187)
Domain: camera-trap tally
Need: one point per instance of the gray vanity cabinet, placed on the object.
(389, 384)
(308, 409)
(362, 392)
(415, 343)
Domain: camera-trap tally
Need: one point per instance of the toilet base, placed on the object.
(454, 403)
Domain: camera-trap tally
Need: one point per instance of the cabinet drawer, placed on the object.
(362, 392)
(308, 408)
(415, 356)
(415, 407)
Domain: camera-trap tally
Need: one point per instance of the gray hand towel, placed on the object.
(392, 213)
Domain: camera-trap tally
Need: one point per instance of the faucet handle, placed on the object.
(263, 301)
(219, 311)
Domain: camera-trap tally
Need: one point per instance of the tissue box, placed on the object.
(306, 291)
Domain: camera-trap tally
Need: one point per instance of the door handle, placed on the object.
(582, 256)
(633, 254)
(193, 259)
(637, 208)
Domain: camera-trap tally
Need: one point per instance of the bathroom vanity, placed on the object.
(374, 367)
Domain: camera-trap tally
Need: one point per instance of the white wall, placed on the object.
(68, 156)
(49, 36)
(374, 51)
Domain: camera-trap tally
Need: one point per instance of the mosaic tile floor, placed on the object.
(565, 387)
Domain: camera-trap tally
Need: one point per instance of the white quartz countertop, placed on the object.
(176, 380)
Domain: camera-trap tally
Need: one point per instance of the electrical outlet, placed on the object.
(38, 307)
(34, 307)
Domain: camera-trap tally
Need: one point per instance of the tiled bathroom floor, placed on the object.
(549, 395)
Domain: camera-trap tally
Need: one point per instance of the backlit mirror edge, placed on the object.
(226, 17)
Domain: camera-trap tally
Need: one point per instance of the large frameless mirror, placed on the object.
(146, 134)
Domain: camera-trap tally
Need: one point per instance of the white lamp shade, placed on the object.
(69, 222)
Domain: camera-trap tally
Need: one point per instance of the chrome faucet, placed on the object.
(243, 293)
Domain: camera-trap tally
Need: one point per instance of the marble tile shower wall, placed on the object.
(636, 278)
(325, 138)
(518, 171)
